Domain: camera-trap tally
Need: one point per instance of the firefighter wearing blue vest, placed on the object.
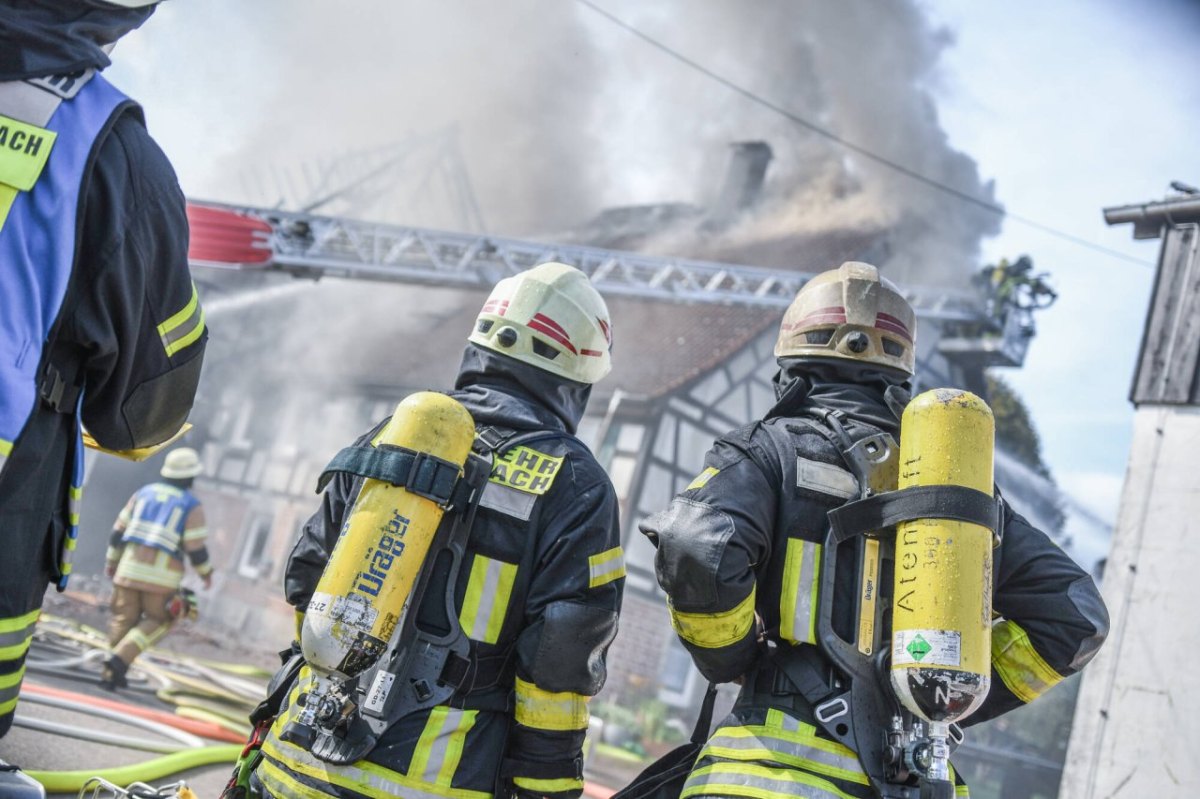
(740, 553)
(539, 588)
(99, 320)
(160, 526)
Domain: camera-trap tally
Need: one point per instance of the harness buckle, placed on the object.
(832, 709)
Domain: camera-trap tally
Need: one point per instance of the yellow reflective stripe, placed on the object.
(176, 333)
(179, 317)
(606, 567)
(280, 783)
(10, 687)
(16, 633)
(129, 569)
(7, 196)
(188, 339)
(20, 623)
(489, 590)
(801, 749)
(548, 710)
(962, 790)
(758, 782)
(714, 630)
(548, 786)
(798, 601)
(194, 534)
(440, 747)
(5, 447)
(1018, 663)
(362, 776)
(703, 478)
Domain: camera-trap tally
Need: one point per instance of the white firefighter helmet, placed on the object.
(851, 313)
(551, 317)
(181, 464)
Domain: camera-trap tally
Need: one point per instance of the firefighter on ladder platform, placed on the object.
(537, 593)
(740, 554)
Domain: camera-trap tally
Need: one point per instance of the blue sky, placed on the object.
(1069, 106)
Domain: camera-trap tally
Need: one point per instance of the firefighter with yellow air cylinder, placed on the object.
(459, 586)
(847, 561)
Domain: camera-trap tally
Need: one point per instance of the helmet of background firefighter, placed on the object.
(181, 464)
(550, 317)
(850, 313)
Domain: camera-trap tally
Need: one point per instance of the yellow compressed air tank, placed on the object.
(942, 602)
(365, 588)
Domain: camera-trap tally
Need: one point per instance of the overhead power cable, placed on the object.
(991, 207)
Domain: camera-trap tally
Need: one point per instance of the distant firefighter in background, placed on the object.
(161, 524)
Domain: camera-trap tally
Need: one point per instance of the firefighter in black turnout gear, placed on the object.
(539, 588)
(100, 325)
(740, 554)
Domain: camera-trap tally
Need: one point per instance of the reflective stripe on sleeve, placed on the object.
(184, 327)
(714, 630)
(489, 589)
(547, 710)
(798, 600)
(1019, 665)
(440, 746)
(16, 633)
(606, 567)
(548, 786)
(758, 782)
(193, 534)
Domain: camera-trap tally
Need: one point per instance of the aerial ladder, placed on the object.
(312, 246)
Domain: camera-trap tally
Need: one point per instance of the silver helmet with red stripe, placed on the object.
(853, 313)
(551, 317)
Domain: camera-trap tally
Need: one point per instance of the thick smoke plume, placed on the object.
(558, 113)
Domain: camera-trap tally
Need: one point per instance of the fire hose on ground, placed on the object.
(211, 700)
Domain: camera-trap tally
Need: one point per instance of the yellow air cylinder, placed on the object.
(942, 606)
(364, 591)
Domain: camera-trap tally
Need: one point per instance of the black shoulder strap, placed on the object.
(704, 720)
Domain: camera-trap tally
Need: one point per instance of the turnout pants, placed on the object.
(25, 569)
(139, 620)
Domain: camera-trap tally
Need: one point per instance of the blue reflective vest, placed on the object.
(42, 170)
(158, 517)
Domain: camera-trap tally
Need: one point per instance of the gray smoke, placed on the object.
(558, 114)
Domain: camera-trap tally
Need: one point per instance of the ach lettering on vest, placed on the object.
(526, 470)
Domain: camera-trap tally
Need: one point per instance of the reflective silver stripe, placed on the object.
(786, 750)
(508, 501)
(195, 534)
(805, 610)
(18, 630)
(10, 686)
(606, 567)
(757, 781)
(185, 329)
(442, 751)
(825, 478)
(27, 103)
(485, 604)
(354, 778)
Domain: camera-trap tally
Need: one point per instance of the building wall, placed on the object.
(1138, 716)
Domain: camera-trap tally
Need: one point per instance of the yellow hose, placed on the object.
(201, 714)
(147, 771)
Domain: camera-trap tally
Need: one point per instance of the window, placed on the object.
(255, 561)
